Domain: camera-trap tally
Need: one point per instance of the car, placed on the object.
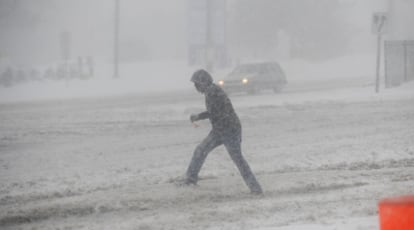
(254, 77)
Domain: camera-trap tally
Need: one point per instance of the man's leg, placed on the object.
(234, 149)
(199, 156)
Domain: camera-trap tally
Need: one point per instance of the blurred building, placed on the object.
(399, 43)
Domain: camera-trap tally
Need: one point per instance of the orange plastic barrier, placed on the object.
(397, 213)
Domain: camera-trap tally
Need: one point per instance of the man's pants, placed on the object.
(233, 146)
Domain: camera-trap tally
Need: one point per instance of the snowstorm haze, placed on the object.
(157, 40)
(148, 29)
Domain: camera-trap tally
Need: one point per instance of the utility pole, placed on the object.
(116, 39)
(209, 53)
(65, 44)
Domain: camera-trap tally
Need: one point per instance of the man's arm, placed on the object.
(203, 115)
(200, 116)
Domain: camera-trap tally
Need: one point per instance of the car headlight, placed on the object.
(221, 82)
(245, 80)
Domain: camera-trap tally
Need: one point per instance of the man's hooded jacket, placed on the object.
(220, 111)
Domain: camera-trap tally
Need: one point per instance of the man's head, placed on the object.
(202, 80)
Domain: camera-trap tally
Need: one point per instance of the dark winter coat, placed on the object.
(220, 111)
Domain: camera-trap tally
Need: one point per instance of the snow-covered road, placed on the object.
(324, 159)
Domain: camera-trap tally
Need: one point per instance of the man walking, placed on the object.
(226, 130)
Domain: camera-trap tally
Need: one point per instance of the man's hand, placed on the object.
(193, 118)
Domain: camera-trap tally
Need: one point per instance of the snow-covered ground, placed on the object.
(325, 155)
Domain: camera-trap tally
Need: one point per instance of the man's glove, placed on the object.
(193, 118)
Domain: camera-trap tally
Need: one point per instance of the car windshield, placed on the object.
(246, 69)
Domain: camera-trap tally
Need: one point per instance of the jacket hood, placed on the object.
(202, 76)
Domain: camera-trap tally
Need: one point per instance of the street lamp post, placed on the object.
(378, 21)
(209, 48)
